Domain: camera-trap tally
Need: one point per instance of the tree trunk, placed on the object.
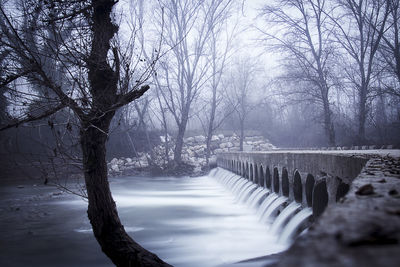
(328, 124)
(179, 139)
(208, 146)
(241, 134)
(102, 211)
(179, 145)
(362, 115)
(211, 124)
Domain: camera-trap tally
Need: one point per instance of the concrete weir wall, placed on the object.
(314, 179)
(354, 194)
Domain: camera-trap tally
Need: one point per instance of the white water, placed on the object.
(285, 225)
(284, 216)
(244, 189)
(265, 204)
(247, 193)
(291, 228)
(266, 217)
(239, 185)
(258, 198)
(185, 221)
(254, 195)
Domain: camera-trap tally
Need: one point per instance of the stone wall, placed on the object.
(355, 196)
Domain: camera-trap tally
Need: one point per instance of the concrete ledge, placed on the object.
(363, 229)
(277, 170)
(354, 194)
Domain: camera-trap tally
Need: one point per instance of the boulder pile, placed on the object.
(193, 153)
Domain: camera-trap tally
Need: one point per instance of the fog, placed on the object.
(94, 90)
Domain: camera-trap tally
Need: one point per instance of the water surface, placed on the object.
(186, 221)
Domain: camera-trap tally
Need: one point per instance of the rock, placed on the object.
(189, 140)
(197, 169)
(143, 163)
(200, 151)
(233, 138)
(365, 190)
(128, 160)
(247, 147)
(221, 136)
(114, 161)
(190, 153)
(222, 145)
(214, 138)
(199, 139)
(226, 139)
(115, 167)
(218, 150)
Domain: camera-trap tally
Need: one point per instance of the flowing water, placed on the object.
(265, 205)
(290, 229)
(205, 221)
(284, 216)
(185, 221)
(267, 215)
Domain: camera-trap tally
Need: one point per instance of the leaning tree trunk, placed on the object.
(102, 211)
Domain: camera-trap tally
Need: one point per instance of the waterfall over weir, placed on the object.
(285, 219)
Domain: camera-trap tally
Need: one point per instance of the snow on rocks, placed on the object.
(194, 152)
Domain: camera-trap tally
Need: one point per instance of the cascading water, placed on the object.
(238, 186)
(284, 216)
(247, 193)
(265, 204)
(274, 206)
(244, 190)
(258, 197)
(294, 224)
(253, 195)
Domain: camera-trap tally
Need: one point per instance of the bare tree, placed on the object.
(185, 70)
(299, 29)
(220, 46)
(361, 44)
(240, 89)
(93, 66)
(389, 49)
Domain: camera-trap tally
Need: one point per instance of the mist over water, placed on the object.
(185, 221)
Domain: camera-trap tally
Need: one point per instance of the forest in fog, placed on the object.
(85, 86)
(299, 73)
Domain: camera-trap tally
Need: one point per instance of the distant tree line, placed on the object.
(341, 66)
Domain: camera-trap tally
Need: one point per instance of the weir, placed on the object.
(267, 205)
(343, 190)
(313, 179)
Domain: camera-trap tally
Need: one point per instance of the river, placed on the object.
(186, 221)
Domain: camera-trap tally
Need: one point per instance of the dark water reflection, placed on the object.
(186, 221)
